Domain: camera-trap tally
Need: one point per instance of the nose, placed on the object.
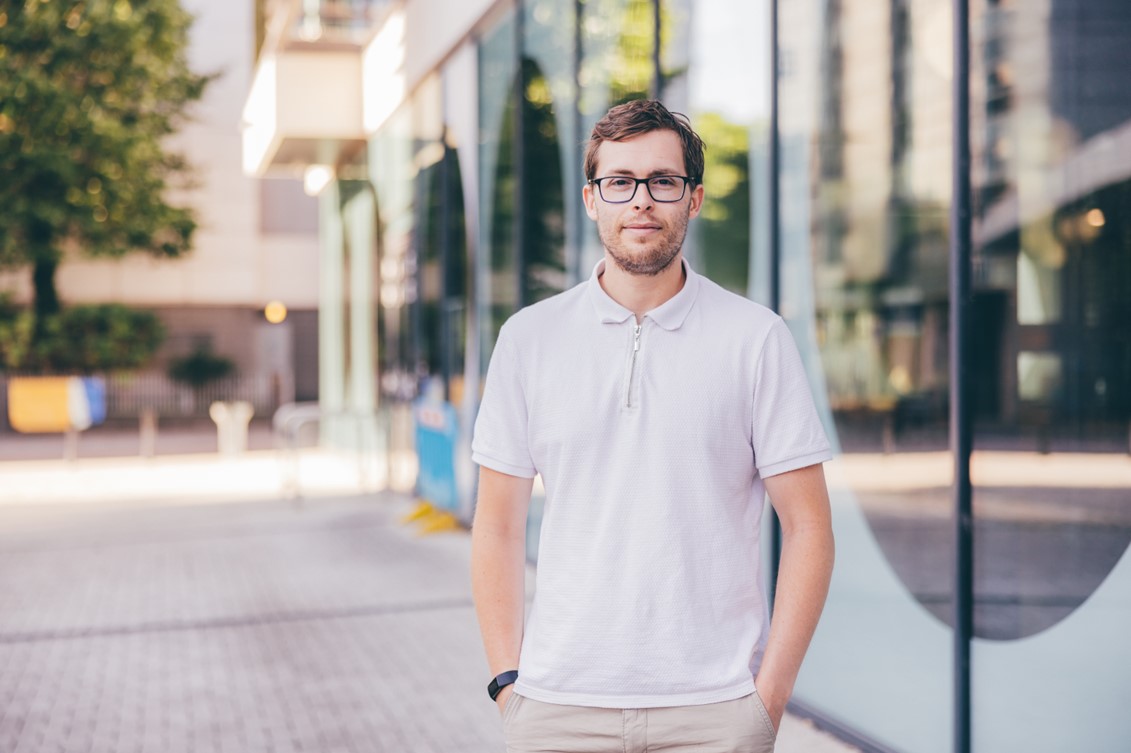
(642, 199)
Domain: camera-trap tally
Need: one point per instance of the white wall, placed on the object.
(433, 28)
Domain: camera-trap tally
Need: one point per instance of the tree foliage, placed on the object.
(89, 91)
(200, 369)
(78, 340)
(724, 224)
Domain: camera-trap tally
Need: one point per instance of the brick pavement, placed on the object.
(241, 627)
(245, 627)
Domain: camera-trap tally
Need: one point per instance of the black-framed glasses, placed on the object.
(620, 189)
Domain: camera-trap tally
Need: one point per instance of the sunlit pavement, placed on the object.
(189, 479)
(1009, 486)
(181, 604)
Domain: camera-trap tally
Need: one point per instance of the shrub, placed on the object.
(200, 368)
(79, 339)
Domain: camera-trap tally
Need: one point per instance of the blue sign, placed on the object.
(437, 426)
(96, 399)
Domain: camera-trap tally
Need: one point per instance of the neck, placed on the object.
(642, 293)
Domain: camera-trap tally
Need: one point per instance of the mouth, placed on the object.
(642, 227)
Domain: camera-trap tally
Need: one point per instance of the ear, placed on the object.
(696, 201)
(590, 199)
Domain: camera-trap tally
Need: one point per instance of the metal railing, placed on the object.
(358, 432)
(128, 395)
(132, 396)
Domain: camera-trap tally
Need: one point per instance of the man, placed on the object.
(659, 409)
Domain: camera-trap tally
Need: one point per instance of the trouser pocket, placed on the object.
(510, 707)
(764, 715)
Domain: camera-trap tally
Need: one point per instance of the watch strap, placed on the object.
(498, 683)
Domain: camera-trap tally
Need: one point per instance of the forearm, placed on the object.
(498, 568)
(803, 583)
(498, 571)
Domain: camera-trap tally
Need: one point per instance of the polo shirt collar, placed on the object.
(669, 315)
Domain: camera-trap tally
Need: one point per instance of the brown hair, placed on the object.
(643, 116)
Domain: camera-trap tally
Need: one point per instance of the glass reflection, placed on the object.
(441, 242)
(497, 287)
(551, 174)
(880, 216)
(391, 165)
(551, 54)
(865, 143)
(1051, 138)
(395, 182)
(543, 235)
(1052, 263)
(526, 225)
(616, 65)
(726, 94)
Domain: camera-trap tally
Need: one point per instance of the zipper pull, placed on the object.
(636, 339)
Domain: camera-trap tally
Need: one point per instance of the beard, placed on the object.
(649, 258)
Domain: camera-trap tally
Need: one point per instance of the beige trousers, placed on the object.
(738, 726)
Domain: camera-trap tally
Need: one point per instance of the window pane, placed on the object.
(551, 173)
(460, 175)
(617, 40)
(496, 262)
(726, 94)
(866, 186)
(1051, 137)
(391, 155)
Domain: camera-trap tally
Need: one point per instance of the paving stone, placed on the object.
(238, 628)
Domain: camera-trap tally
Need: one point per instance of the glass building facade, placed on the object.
(466, 206)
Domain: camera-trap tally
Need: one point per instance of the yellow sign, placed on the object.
(40, 404)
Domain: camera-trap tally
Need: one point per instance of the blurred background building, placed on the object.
(257, 243)
(444, 139)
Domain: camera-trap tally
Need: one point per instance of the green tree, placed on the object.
(89, 91)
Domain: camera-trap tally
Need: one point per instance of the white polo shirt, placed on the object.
(653, 446)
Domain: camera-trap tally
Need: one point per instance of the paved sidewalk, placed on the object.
(188, 479)
(242, 627)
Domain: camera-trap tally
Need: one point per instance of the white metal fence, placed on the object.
(129, 394)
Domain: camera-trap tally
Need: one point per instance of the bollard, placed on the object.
(147, 433)
(889, 434)
(232, 419)
(70, 445)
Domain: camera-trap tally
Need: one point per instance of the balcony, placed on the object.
(305, 103)
(304, 108)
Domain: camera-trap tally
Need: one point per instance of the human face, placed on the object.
(642, 236)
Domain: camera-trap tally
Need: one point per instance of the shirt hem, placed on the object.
(699, 698)
(503, 467)
(801, 461)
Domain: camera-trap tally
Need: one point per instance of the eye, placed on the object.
(664, 182)
(620, 182)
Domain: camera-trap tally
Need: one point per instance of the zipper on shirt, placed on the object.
(632, 365)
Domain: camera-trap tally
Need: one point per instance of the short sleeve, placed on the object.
(500, 441)
(786, 431)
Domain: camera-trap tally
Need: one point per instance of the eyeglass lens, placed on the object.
(661, 188)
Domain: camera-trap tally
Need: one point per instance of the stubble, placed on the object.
(645, 259)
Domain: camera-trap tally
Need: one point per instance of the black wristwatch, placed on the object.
(497, 684)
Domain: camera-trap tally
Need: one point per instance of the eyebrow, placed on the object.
(632, 174)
